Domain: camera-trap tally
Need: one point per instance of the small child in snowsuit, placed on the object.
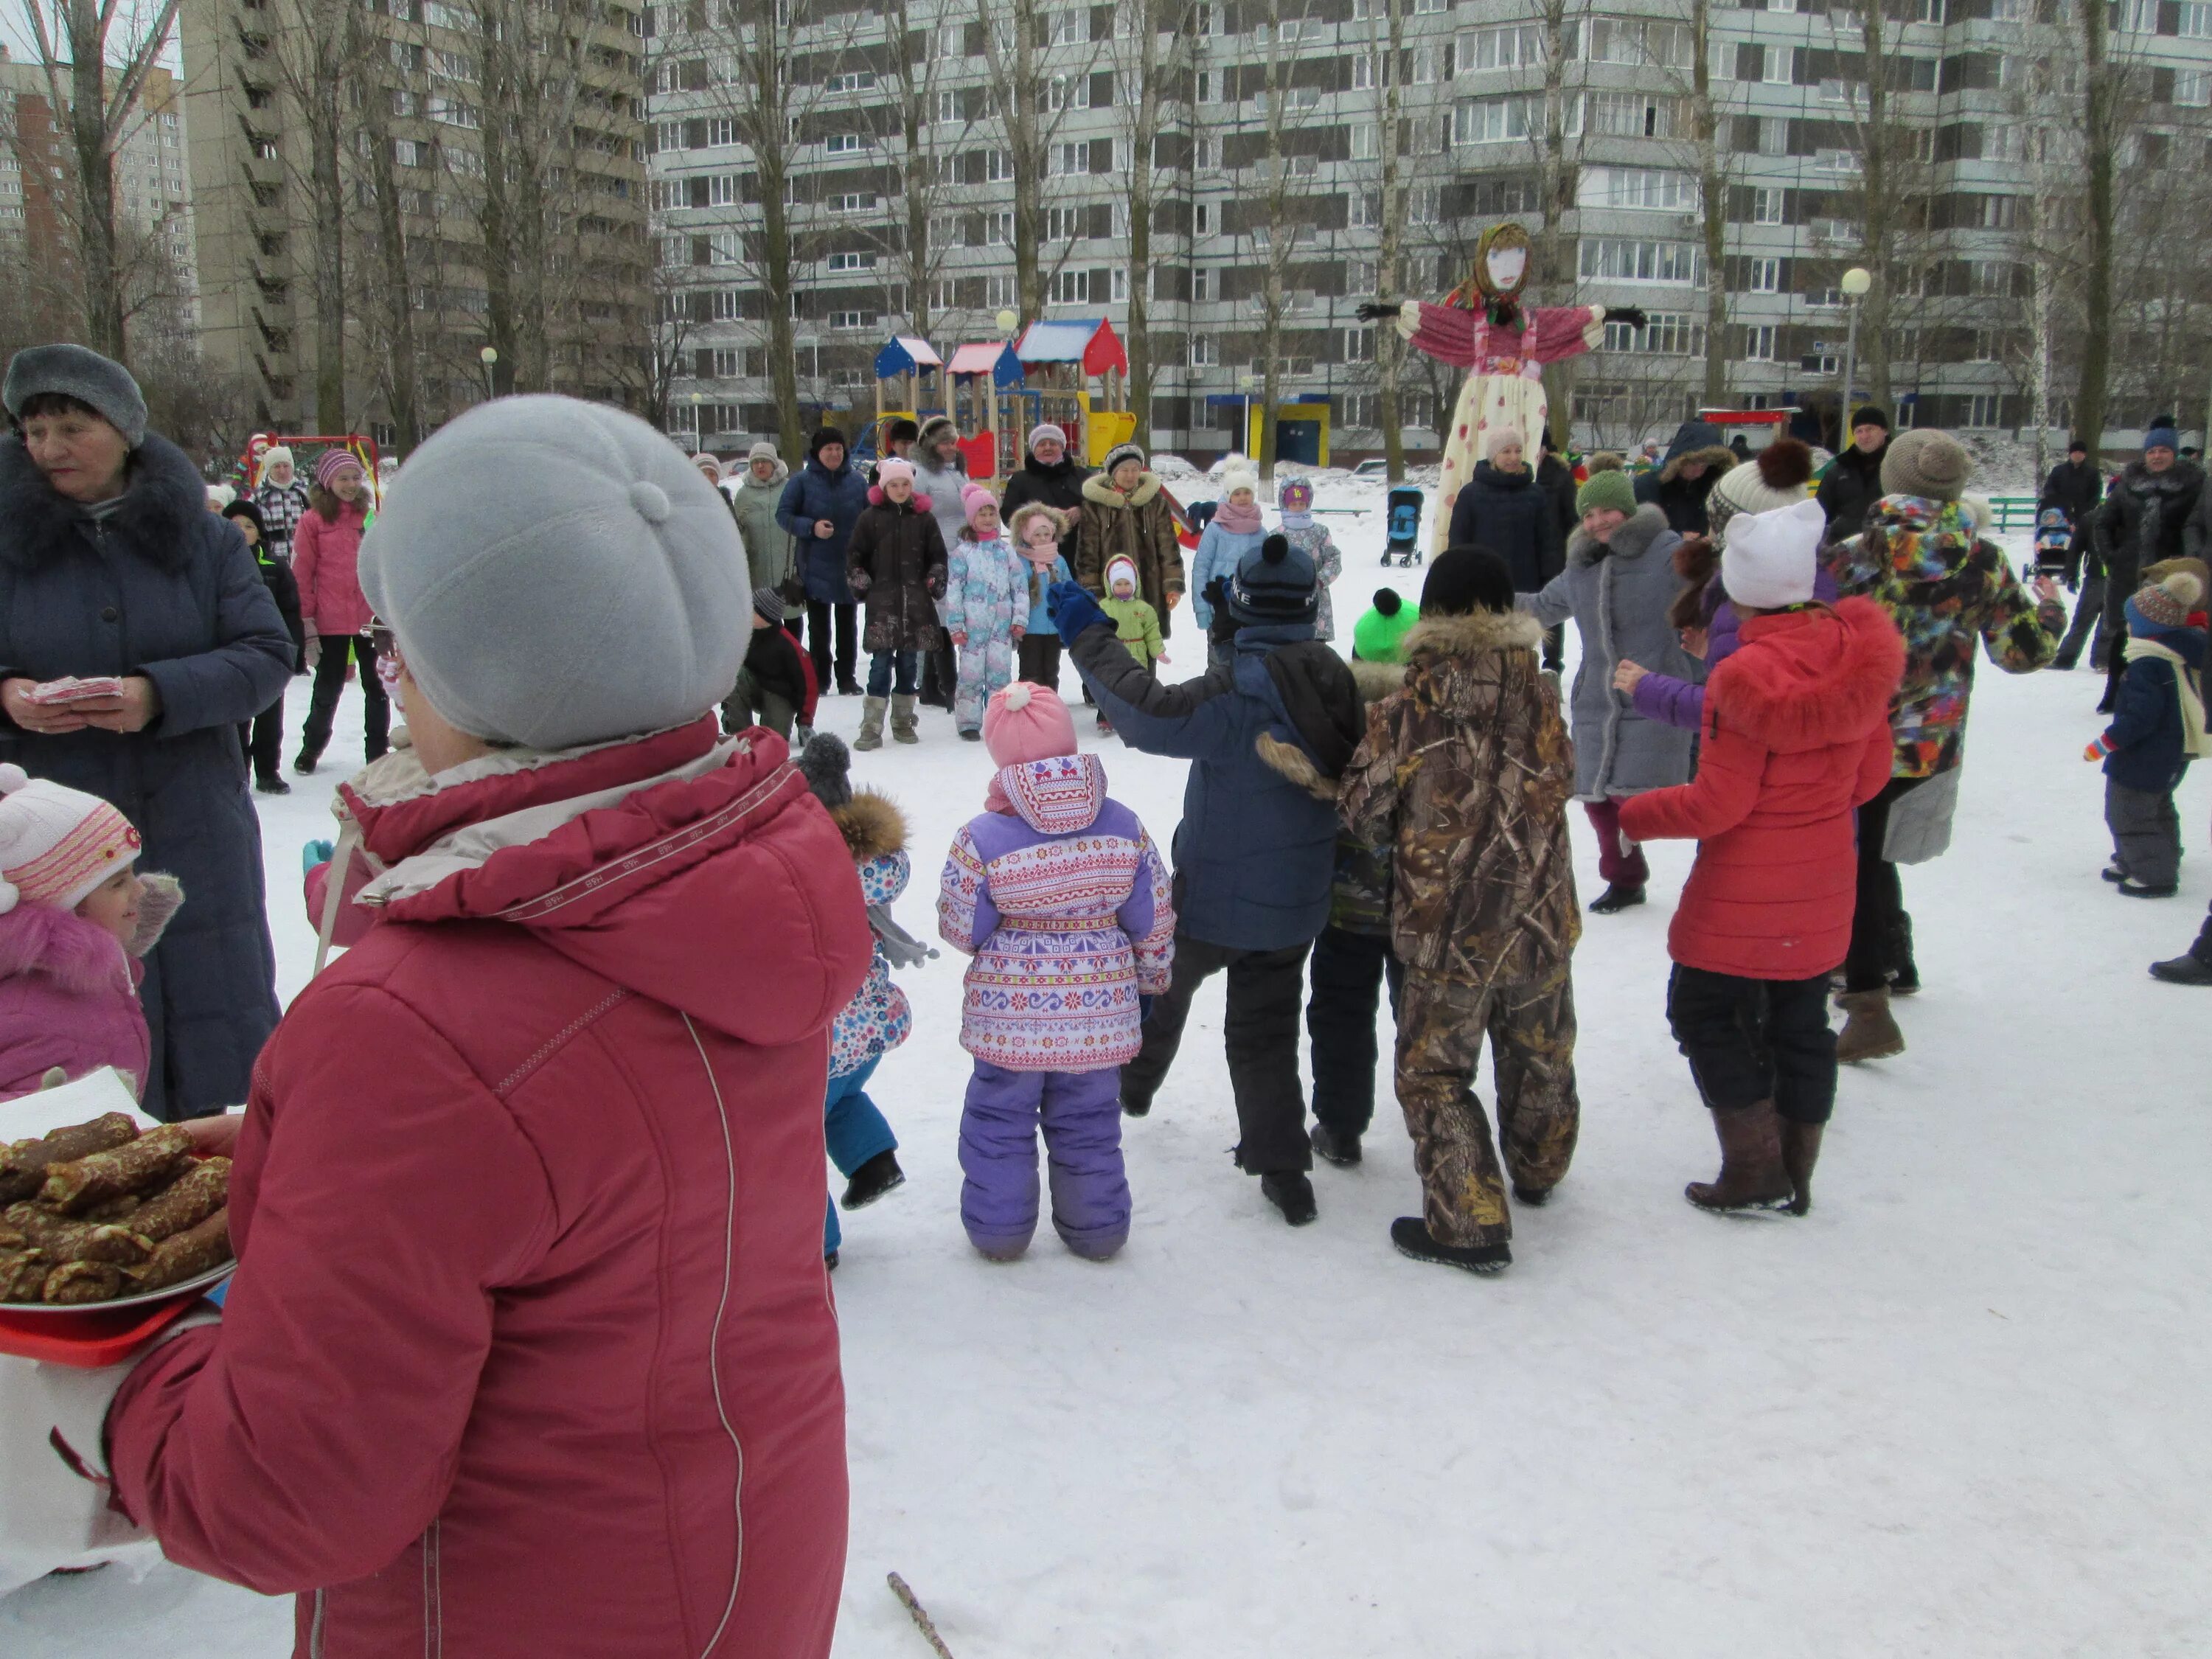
(2157, 729)
(984, 609)
(877, 1019)
(1063, 901)
(1464, 775)
(75, 919)
(1136, 624)
(1295, 498)
(1234, 530)
(1038, 530)
(1795, 736)
(776, 683)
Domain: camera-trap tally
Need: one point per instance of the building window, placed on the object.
(1366, 209)
(1781, 66)
(839, 262)
(856, 201)
(2192, 88)
(998, 230)
(1620, 260)
(847, 319)
(1358, 345)
(1067, 224)
(998, 292)
(1070, 288)
(1630, 115)
(1363, 73)
(721, 130)
(1121, 295)
(998, 166)
(1516, 46)
(1773, 135)
(1655, 188)
(1204, 351)
(850, 81)
(845, 144)
(1766, 206)
(1766, 277)
(1495, 120)
(1982, 409)
(1365, 147)
(1759, 343)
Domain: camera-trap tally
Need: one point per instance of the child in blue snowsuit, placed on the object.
(877, 1020)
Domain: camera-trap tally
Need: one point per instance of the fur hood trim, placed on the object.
(80, 957)
(872, 825)
(1377, 680)
(1287, 759)
(1099, 489)
(157, 907)
(163, 497)
(1810, 679)
(1028, 510)
(1719, 456)
(1476, 634)
(1647, 524)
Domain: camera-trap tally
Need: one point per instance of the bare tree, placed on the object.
(1708, 127)
(1033, 90)
(2100, 140)
(1151, 66)
(95, 59)
(1386, 49)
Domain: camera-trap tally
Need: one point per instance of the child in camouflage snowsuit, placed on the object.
(1465, 774)
(987, 609)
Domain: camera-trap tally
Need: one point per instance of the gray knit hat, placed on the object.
(827, 766)
(81, 373)
(768, 605)
(558, 573)
(1924, 462)
(762, 451)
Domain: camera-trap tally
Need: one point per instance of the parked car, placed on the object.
(1375, 468)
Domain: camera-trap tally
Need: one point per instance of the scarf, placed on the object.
(2186, 687)
(1297, 520)
(1238, 520)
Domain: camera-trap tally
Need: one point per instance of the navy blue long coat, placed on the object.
(816, 493)
(161, 588)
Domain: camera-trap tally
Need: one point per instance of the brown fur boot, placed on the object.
(1801, 1151)
(1869, 1032)
(1751, 1176)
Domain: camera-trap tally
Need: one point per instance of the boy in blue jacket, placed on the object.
(1267, 734)
(2158, 727)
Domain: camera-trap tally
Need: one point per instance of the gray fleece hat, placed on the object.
(81, 373)
(558, 573)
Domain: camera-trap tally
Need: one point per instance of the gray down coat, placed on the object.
(1618, 594)
(768, 544)
(160, 586)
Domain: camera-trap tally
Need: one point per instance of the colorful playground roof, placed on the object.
(1089, 341)
(903, 353)
(993, 357)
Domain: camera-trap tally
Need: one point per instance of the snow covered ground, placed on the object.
(1955, 1412)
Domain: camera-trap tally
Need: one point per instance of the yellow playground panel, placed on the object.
(1301, 432)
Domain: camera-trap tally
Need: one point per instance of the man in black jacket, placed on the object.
(1852, 483)
(2141, 523)
(1694, 464)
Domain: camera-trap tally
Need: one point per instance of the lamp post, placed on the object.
(1244, 384)
(490, 358)
(1855, 281)
(1006, 320)
(698, 432)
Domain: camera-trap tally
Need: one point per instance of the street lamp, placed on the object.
(490, 358)
(1855, 281)
(1006, 320)
(1244, 384)
(698, 433)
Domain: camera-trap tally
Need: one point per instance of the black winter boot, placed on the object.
(1904, 980)
(2187, 969)
(1411, 1237)
(1289, 1191)
(1534, 1197)
(1616, 899)
(1338, 1147)
(873, 1180)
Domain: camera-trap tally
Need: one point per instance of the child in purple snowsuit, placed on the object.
(1063, 901)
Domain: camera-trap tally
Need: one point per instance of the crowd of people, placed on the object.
(529, 1197)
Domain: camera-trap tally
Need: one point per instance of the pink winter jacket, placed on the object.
(325, 560)
(530, 1353)
(69, 992)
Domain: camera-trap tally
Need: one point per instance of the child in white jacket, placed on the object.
(987, 609)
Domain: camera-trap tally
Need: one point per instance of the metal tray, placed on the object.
(212, 1277)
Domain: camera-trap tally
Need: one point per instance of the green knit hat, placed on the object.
(1380, 635)
(1611, 488)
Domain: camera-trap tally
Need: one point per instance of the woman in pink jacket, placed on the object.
(325, 559)
(531, 1351)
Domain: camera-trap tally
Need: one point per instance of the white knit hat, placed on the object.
(273, 454)
(1119, 566)
(1772, 558)
(1240, 474)
(56, 844)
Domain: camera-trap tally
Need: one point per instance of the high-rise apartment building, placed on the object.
(153, 196)
(449, 178)
(1960, 110)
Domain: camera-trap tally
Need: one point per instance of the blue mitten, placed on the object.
(313, 853)
(1073, 611)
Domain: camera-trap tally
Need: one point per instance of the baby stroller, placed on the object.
(1404, 507)
(2054, 540)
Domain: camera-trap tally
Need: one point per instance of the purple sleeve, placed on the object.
(1670, 701)
(1147, 916)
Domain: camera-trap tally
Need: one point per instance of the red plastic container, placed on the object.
(92, 1339)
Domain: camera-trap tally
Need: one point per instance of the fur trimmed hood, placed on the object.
(162, 498)
(1288, 761)
(1099, 489)
(1719, 457)
(1812, 679)
(79, 955)
(872, 825)
(1644, 527)
(1377, 680)
(1475, 633)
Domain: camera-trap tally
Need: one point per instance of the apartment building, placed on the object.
(490, 165)
(153, 193)
(1787, 77)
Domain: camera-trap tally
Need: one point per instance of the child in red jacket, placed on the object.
(1796, 735)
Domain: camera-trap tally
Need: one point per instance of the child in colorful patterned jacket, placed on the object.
(1063, 901)
(877, 1019)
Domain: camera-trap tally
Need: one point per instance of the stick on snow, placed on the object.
(913, 1607)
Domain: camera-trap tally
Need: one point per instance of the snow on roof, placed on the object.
(904, 352)
(1089, 341)
(991, 357)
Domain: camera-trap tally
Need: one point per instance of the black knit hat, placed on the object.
(901, 431)
(827, 766)
(1274, 583)
(243, 508)
(2075, 445)
(1868, 415)
(1464, 580)
(823, 435)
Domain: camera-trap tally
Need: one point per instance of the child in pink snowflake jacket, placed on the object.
(1062, 900)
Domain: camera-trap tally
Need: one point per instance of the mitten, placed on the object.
(1374, 310)
(2098, 748)
(1074, 611)
(1633, 315)
(860, 581)
(313, 853)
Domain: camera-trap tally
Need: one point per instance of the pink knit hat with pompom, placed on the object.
(975, 496)
(1026, 722)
